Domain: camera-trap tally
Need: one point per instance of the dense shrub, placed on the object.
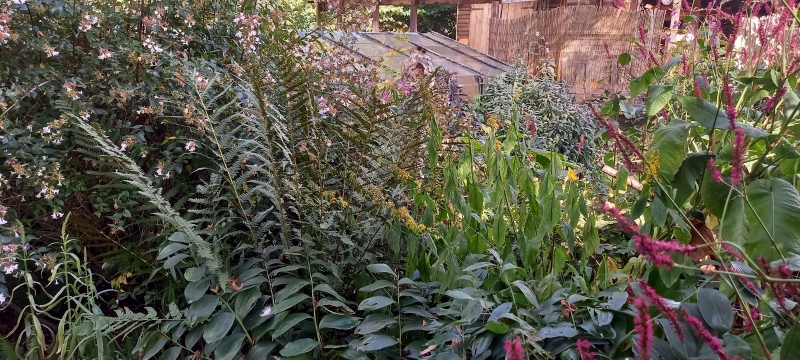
(552, 115)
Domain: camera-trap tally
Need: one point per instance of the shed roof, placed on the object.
(471, 67)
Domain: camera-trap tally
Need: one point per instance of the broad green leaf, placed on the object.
(526, 290)
(624, 59)
(733, 226)
(715, 308)
(791, 108)
(669, 143)
(289, 322)
(261, 350)
(380, 284)
(709, 116)
(170, 249)
(299, 347)
(671, 63)
(377, 342)
(460, 295)
(229, 347)
(685, 181)
(790, 350)
(658, 96)
(218, 326)
(195, 290)
(174, 260)
(194, 274)
(203, 308)
(373, 323)
(245, 300)
(659, 211)
(339, 322)
(550, 332)
(171, 353)
(737, 347)
(288, 303)
(560, 258)
(773, 214)
(500, 310)
(293, 287)
(180, 237)
(154, 344)
(622, 180)
(477, 266)
(497, 328)
(375, 303)
(380, 268)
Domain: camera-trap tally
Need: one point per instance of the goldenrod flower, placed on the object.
(571, 175)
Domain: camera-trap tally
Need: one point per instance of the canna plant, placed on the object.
(717, 155)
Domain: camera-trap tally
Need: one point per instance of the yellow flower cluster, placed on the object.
(652, 165)
(494, 122)
(571, 175)
(496, 145)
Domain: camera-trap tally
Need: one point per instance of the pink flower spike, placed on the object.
(738, 157)
(704, 335)
(716, 175)
(644, 328)
(584, 349)
(580, 144)
(514, 349)
(662, 307)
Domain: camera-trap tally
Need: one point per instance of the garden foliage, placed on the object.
(211, 180)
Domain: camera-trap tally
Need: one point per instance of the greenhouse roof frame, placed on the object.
(472, 68)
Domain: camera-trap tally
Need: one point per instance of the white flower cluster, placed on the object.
(153, 46)
(247, 31)
(87, 22)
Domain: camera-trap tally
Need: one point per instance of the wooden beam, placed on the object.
(432, 2)
(376, 16)
(412, 26)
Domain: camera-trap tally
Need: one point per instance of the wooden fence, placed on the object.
(584, 41)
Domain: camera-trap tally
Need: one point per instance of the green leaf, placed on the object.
(245, 300)
(550, 332)
(174, 260)
(685, 182)
(218, 326)
(622, 180)
(497, 328)
(669, 142)
(154, 345)
(288, 303)
(671, 63)
(261, 350)
(658, 96)
(377, 342)
(791, 107)
(709, 116)
(526, 290)
(375, 303)
(477, 266)
(299, 347)
(339, 322)
(203, 308)
(715, 308)
(773, 215)
(288, 323)
(380, 284)
(624, 59)
(194, 274)
(716, 195)
(790, 350)
(460, 295)
(380, 268)
(229, 347)
(195, 290)
(737, 347)
(373, 323)
(170, 249)
(659, 211)
(171, 353)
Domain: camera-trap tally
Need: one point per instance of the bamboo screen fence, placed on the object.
(585, 42)
(776, 49)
